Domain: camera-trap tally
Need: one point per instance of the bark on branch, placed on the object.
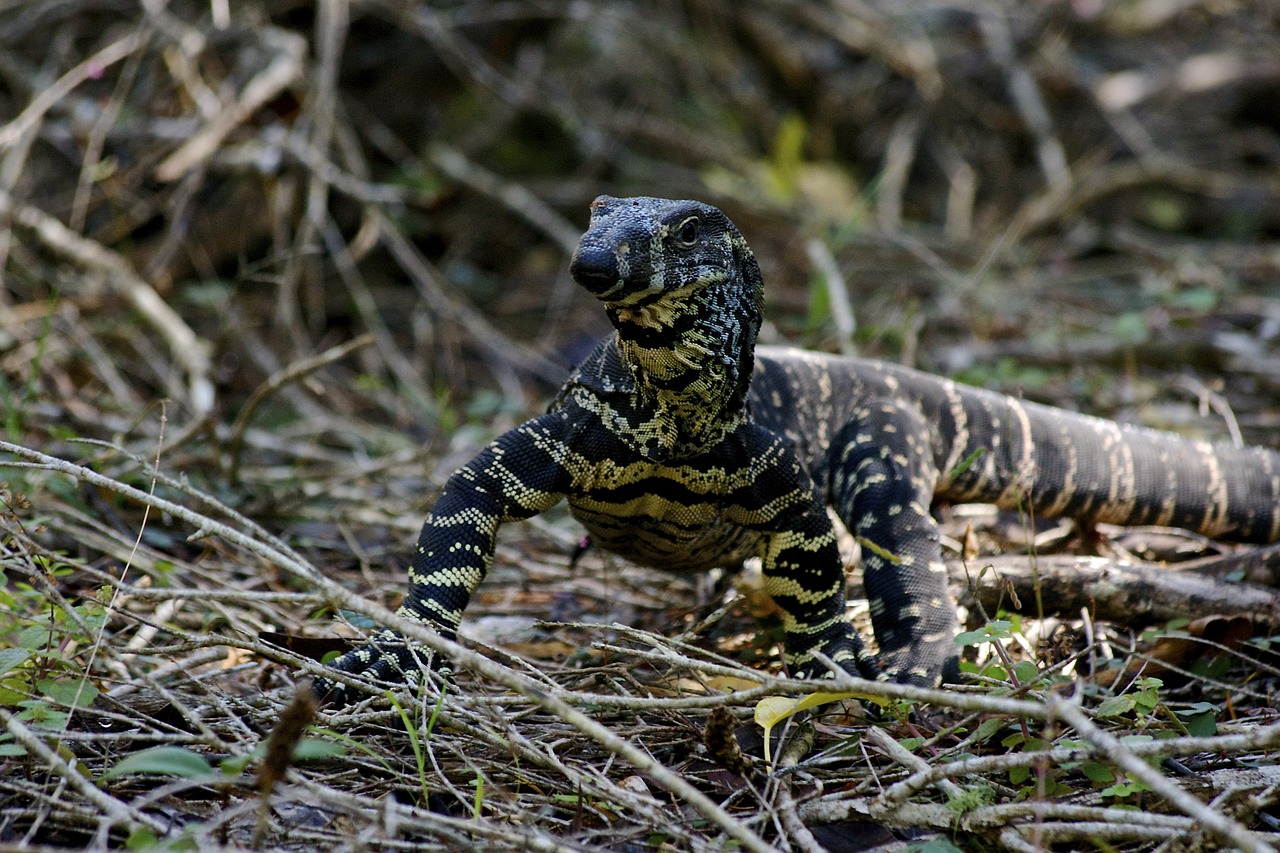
(1112, 590)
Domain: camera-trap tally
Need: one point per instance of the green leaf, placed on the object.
(308, 749)
(1125, 789)
(34, 638)
(183, 843)
(314, 749)
(988, 727)
(1054, 788)
(12, 691)
(1214, 667)
(162, 761)
(93, 615)
(1200, 723)
(1098, 773)
(38, 713)
(997, 629)
(72, 694)
(1026, 671)
(234, 765)
(358, 620)
(1146, 702)
(1130, 327)
(9, 749)
(9, 658)
(1115, 706)
(141, 838)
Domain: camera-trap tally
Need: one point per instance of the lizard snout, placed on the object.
(595, 267)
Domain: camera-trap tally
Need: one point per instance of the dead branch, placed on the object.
(293, 373)
(1112, 590)
(284, 68)
(191, 352)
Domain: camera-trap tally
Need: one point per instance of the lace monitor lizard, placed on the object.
(677, 448)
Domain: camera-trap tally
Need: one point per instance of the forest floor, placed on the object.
(272, 270)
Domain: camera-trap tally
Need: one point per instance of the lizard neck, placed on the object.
(685, 295)
(690, 353)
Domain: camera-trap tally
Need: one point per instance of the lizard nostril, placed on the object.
(595, 268)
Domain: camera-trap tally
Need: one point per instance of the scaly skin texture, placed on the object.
(680, 445)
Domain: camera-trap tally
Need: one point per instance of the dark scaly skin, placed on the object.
(677, 449)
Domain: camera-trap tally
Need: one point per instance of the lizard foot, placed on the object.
(386, 660)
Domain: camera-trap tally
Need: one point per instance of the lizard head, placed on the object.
(685, 294)
(639, 252)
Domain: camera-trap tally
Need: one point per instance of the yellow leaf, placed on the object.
(771, 710)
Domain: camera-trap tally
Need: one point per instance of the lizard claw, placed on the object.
(386, 660)
(845, 649)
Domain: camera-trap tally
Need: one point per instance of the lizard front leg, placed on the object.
(803, 571)
(804, 575)
(517, 476)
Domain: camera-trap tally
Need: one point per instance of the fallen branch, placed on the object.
(89, 69)
(1112, 590)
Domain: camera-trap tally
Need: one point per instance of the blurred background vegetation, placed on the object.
(1078, 201)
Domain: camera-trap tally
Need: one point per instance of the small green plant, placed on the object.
(163, 761)
(418, 744)
(38, 677)
(992, 632)
(1200, 719)
(1122, 790)
(478, 802)
(1142, 700)
(971, 798)
(1034, 781)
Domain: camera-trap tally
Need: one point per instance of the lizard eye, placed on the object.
(687, 233)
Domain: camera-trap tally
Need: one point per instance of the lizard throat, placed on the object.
(691, 361)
